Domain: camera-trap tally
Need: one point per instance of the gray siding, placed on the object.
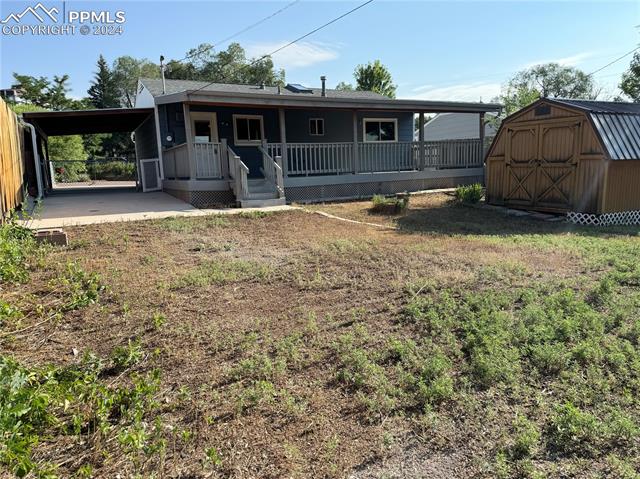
(172, 123)
(146, 142)
(338, 127)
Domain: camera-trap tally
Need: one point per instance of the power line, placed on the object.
(238, 33)
(302, 37)
(612, 62)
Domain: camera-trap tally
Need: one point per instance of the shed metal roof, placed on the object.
(617, 123)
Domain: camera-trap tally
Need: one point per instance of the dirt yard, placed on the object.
(463, 344)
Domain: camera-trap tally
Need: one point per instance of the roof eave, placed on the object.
(196, 96)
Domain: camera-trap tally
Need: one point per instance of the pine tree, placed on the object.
(103, 92)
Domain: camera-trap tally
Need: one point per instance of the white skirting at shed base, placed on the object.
(622, 218)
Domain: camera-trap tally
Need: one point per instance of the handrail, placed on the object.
(272, 170)
(239, 172)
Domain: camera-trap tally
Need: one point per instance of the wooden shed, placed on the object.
(567, 156)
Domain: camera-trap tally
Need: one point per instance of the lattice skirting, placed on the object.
(204, 199)
(605, 219)
(365, 190)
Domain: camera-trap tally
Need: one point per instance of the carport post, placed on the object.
(421, 140)
(159, 142)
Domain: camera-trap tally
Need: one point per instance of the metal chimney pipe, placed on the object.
(323, 79)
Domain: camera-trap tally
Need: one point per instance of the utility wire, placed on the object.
(612, 62)
(238, 33)
(292, 42)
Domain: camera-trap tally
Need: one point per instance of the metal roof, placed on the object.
(617, 123)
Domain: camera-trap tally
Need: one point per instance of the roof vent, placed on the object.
(323, 79)
(297, 88)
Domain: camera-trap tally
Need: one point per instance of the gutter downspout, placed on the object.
(36, 158)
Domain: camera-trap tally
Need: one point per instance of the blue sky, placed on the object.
(435, 50)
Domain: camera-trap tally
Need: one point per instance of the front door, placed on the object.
(204, 127)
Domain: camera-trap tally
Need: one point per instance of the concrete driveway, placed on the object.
(74, 209)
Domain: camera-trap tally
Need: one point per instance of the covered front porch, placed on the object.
(223, 153)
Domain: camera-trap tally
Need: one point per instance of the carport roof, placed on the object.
(76, 122)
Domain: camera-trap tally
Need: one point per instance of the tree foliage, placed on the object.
(46, 93)
(227, 66)
(374, 76)
(630, 84)
(343, 86)
(103, 92)
(126, 72)
(550, 80)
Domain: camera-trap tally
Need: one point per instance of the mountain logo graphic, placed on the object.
(39, 11)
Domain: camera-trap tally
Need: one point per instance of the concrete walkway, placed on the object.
(72, 209)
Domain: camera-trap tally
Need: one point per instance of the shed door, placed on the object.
(541, 161)
(521, 158)
(556, 165)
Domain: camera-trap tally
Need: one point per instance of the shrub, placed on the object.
(112, 170)
(390, 205)
(470, 194)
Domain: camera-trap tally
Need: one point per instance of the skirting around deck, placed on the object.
(204, 194)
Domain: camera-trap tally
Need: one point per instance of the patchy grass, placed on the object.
(293, 345)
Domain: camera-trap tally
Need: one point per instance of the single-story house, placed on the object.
(571, 156)
(211, 143)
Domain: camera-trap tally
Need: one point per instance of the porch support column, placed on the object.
(283, 142)
(356, 153)
(481, 135)
(421, 140)
(189, 135)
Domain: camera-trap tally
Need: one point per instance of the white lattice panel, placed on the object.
(607, 219)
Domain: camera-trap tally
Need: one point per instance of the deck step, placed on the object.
(261, 203)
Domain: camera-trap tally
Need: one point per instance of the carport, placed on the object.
(79, 122)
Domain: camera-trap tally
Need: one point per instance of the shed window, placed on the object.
(380, 129)
(542, 110)
(316, 126)
(248, 129)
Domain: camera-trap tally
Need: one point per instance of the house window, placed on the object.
(380, 129)
(247, 129)
(316, 126)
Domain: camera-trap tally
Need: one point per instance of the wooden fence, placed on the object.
(12, 156)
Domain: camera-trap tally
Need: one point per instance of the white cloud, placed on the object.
(570, 61)
(297, 55)
(459, 92)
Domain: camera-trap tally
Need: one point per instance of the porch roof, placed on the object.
(250, 95)
(74, 122)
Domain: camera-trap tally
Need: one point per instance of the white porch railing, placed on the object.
(208, 158)
(175, 162)
(303, 159)
(381, 157)
(272, 170)
(239, 172)
(207, 161)
(315, 158)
